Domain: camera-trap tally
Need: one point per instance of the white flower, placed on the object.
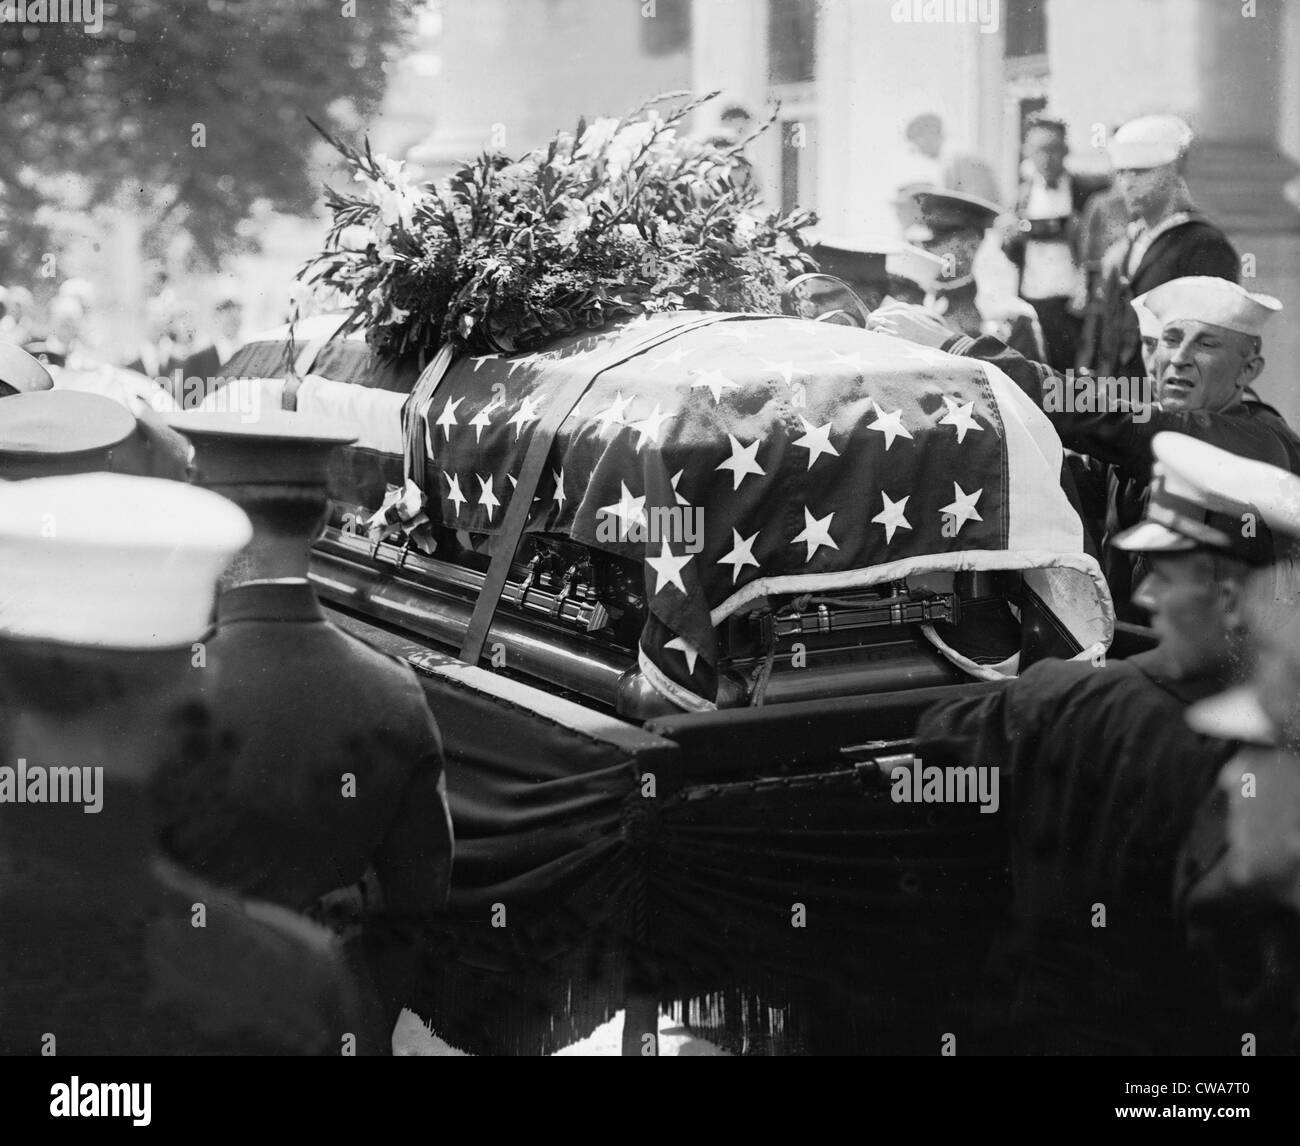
(627, 144)
(569, 229)
(394, 194)
(596, 136)
(354, 238)
(746, 229)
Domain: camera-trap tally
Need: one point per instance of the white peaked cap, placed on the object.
(1150, 141)
(1203, 298)
(113, 561)
(916, 265)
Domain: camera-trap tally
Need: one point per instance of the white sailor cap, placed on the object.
(917, 266)
(1203, 298)
(1149, 141)
(1203, 497)
(1148, 325)
(111, 561)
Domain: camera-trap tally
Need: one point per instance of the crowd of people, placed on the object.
(250, 767)
(175, 345)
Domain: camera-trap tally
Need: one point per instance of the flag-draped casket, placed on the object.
(732, 462)
(737, 458)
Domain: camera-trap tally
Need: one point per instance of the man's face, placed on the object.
(1188, 611)
(956, 248)
(1199, 366)
(1147, 190)
(229, 320)
(927, 138)
(1045, 149)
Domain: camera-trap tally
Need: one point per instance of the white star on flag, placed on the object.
(447, 418)
(817, 441)
(526, 413)
(559, 488)
(455, 496)
(676, 492)
(785, 369)
(688, 650)
(891, 425)
(481, 359)
(668, 569)
(816, 533)
(961, 416)
(891, 517)
(855, 360)
(481, 420)
(962, 507)
(614, 415)
(715, 382)
(486, 497)
(742, 461)
(628, 509)
(671, 359)
(742, 553)
(650, 428)
(525, 360)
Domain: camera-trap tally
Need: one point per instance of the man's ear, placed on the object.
(1251, 369)
(1234, 601)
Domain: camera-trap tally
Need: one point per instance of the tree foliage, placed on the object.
(88, 117)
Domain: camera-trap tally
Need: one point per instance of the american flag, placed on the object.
(813, 457)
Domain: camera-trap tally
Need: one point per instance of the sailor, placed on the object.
(330, 762)
(51, 432)
(1169, 238)
(20, 373)
(106, 949)
(1238, 886)
(951, 225)
(1206, 360)
(1105, 777)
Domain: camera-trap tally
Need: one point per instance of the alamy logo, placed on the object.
(677, 524)
(35, 784)
(985, 13)
(1090, 394)
(88, 13)
(102, 1100)
(919, 783)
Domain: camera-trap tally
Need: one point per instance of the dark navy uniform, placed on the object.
(1101, 780)
(325, 759)
(101, 950)
(1185, 244)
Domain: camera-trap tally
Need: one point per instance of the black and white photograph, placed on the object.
(650, 528)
